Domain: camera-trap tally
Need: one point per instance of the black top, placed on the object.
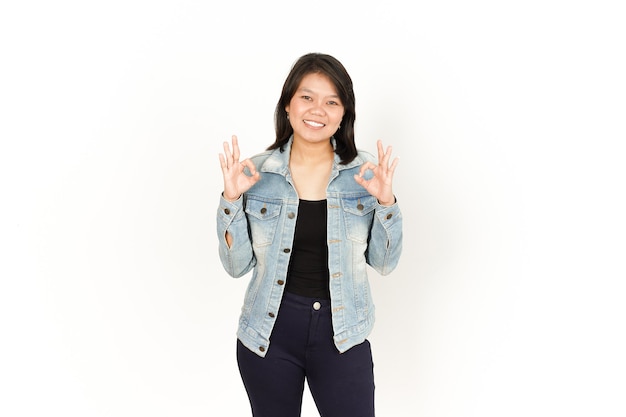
(308, 265)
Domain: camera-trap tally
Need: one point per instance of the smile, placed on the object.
(313, 124)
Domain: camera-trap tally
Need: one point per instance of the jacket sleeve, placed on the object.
(238, 259)
(385, 243)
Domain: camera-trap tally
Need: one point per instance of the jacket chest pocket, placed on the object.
(263, 219)
(358, 213)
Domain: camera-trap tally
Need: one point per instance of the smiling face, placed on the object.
(315, 110)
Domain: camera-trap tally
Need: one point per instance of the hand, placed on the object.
(236, 182)
(380, 184)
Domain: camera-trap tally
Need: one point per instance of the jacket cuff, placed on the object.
(230, 211)
(388, 215)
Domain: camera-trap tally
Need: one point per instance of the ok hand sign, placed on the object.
(380, 184)
(236, 182)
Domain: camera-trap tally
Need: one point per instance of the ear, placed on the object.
(287, 108)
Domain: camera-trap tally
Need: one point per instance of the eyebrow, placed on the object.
(306, 90)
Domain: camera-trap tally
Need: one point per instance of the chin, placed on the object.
(320, 137)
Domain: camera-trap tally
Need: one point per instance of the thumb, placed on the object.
(360, 180)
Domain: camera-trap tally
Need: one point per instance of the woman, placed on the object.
(307, 216)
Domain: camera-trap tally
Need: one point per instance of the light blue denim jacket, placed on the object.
(262, 223)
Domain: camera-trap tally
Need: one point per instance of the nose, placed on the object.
(318, 109)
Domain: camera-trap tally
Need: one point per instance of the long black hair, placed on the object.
(316, 63)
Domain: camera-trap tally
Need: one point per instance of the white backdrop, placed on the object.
(507, 116)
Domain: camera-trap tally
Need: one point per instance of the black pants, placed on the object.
(341, 384)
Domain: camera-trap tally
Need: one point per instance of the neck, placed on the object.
(311, 153)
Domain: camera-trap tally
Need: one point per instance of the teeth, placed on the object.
(315, 124)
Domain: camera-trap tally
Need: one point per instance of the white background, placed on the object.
(508, 118)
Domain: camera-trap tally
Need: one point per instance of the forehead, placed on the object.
(318, 83)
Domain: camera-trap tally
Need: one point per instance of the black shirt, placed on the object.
(308, 265)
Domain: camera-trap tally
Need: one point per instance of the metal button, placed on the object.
(261, 348)
(291, 215)
(286, 250)
(227, 211)
(389, 216)
(271, 315)
(263, 210)
(317, 305)
(280, 282)
(359, 206)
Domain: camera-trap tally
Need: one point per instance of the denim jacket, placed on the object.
(262, 223)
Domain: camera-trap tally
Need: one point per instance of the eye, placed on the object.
(308, 98)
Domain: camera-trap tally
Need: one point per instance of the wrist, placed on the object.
(387, 203)
(229, 199)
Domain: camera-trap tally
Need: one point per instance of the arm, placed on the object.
(385, 244)
(235, 247)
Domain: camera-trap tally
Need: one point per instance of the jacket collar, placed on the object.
(278, 161)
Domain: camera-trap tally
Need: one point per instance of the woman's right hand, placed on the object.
(236, 182)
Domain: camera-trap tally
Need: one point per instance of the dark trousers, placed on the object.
(301, 346)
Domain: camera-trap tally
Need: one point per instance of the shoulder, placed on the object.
(260, 158)
(365, 156)
(361, 158)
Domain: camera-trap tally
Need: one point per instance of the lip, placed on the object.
(314, 124)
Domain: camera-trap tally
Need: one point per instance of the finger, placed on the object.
(248, 163)
(360, 180)
(392, 169)
(222, 162)
(255, 175)
(235, 148)
(367, 165)
(228, 155)
(386, 156)
(379, 145)
(394, 164)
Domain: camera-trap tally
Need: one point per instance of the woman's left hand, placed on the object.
(380, 184)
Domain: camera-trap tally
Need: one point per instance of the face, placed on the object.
(315, 110)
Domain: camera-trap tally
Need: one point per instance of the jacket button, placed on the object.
(389, 216)
(291, 215)
(280, 282)
(263, 210)
(317, 305)
(359, 206)
(286, 250)
(272, 315)
(261, 348)
(227, 211)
